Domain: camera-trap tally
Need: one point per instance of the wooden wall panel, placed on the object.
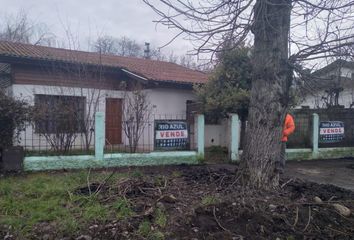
(40, 75)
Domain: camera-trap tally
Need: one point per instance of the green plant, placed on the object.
(137, 174)
(217, 149)
(31, 199)
(123, 208)
(13, 116)
(227, 90)
(160, 218)
(209, 200)
(176, 174)
(94, 211)
(144, 228)
(157, 236)
(68, 226)
(201, 158)
(159, 181)
(147, 232)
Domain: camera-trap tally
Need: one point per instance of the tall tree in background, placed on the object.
(309, 26)
(22, 29)
(127, 47)
(228, 88)
(123, 46)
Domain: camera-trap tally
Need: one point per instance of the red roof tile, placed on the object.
(150, 69)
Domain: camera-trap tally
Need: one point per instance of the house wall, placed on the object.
(346, 97)
(217, 134)
(166, 104)
(32, 140)
(346, 72)
(170, 103)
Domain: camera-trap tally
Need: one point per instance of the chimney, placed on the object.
(147, 51)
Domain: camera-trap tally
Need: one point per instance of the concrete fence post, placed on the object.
(315, 134)
(200, 132)
(99, 135)
(235, 137)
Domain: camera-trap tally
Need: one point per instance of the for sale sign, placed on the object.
(331, 131)
(171, 135)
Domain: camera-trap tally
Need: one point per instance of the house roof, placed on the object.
(333, 66)
(149, 69)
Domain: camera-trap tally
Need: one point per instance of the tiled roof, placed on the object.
(333, 66)
(150, 69)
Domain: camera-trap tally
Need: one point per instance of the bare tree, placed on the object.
(87, 80)
(188, 61)
(92, 95)
(136, 114)
(58, 123)
(172, 57)
(310, 27)
(105, 45)
(21, 28)
(129, 47)
(123, 46)
(334, 88)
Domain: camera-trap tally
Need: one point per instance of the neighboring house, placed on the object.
(334, 86)
(51, 75)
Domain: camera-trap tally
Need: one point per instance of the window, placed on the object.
(59, 114)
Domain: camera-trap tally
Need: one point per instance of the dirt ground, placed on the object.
(209, 202)
(339, 172)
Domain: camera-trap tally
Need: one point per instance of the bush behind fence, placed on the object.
(64, 137)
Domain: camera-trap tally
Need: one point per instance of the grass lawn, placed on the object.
(31, 199)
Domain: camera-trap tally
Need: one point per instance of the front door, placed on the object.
(113, 121)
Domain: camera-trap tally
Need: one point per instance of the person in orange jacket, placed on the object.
(288, 129)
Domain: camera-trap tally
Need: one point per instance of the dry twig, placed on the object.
(217, 221)
(309, 220)
(88, 181)
(296, 217)
(286, 183)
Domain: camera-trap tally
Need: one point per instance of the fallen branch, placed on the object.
(104, 182)
(331, 198)
(296, 217)
(217, 221)
(88, 181)
(286, 183)
(317, 203)
(338, 231)
(309, 220)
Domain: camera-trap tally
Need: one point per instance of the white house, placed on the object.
(335, 86)
(43, 74)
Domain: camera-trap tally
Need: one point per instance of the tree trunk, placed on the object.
(269, 94)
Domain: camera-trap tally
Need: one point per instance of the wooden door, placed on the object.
(113, 121)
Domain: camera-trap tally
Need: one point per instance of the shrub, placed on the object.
(13, 116)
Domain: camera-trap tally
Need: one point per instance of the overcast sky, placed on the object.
(92, 18)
